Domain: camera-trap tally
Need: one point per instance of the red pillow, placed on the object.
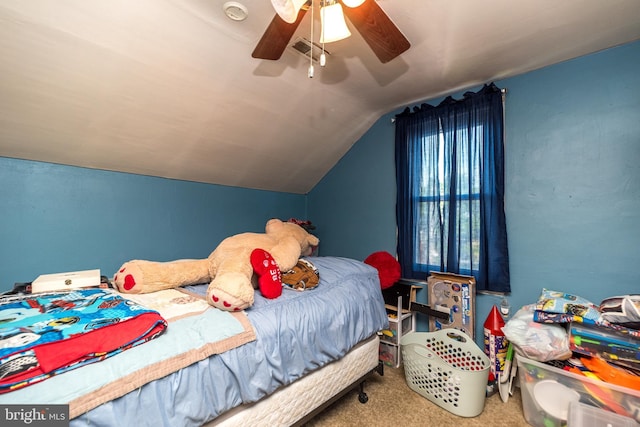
(388, 268)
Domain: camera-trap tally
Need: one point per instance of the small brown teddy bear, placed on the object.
(304, 275)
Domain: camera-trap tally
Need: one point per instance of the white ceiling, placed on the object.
(169, 88)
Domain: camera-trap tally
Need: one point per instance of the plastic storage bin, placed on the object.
(581, 415)
(388, 354)
(391, 334)
(548, 393)
(447, 368)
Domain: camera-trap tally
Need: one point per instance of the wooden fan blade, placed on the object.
(377, 29)
(276, 37)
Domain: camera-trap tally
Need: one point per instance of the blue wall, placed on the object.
(572, 196)
(572, 183)
(353, 206)
(61, 218)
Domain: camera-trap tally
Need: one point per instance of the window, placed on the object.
(434, 203)
(450, 208)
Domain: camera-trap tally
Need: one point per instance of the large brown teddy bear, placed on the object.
(228, 270)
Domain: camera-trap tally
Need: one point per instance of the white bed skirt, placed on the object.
(290, 404)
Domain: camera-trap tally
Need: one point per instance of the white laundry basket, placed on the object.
(447, 368)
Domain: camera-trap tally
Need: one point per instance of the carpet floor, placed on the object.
(392, 403)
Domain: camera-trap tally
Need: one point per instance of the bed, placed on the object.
(298, 353)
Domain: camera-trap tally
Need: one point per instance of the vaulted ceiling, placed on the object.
(169, 88)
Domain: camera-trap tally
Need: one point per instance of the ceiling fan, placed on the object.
(373, 24)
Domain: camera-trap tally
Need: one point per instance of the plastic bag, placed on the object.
(538, 341)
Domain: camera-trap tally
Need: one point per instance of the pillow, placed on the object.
(388, 268)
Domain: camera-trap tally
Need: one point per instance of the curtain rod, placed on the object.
(503, 91)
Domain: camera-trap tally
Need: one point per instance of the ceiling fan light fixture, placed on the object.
(352, 3)
(334, 27)
(288, 9)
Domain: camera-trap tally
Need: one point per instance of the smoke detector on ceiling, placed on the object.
(235, 11)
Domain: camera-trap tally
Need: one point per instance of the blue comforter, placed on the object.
(296, 334)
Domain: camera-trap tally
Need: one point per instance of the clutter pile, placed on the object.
(576, 360)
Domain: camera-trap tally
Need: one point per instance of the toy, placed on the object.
(495, 343)
(229, 269)
(268, 273)
(455, 295)
(304, 275)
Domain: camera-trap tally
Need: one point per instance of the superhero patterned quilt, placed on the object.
(43, 335)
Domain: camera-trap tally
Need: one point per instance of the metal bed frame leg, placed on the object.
(362, 396)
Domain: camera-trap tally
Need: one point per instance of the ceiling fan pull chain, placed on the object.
(323, 57)
(310, 71)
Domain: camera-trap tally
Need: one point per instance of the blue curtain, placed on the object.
(450, 189)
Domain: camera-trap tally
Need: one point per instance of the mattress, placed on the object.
(290, 404)
(296, 334)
